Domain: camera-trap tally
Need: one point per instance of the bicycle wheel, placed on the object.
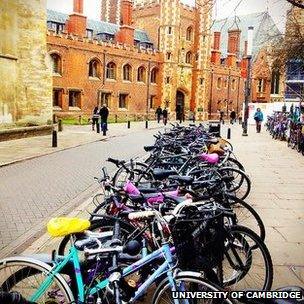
(247, 216)
(247, 263)
(234, 163)
(187, 282)
(25, 275)
(237, 182)
(122, 175)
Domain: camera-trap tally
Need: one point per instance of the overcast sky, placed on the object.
(223, 8)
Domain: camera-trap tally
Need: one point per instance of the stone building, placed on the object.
(150, 57)
(26, 83)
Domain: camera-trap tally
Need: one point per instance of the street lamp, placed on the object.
(248, 80)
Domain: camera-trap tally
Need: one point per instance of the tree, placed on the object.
(297, 3)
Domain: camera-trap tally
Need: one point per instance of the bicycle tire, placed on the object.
(233, 200)
(192, 278)
(32, 267)
(260, 247)
(236, 189)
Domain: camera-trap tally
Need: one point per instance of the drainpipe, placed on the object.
(104, 68)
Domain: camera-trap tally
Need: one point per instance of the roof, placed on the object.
(264, 29)
(98, 26)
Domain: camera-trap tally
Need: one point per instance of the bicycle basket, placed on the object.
(199, 244)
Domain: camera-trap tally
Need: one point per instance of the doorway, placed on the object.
(180, 105)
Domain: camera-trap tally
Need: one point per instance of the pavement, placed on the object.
(36, 188)
(277, 194)
(72, 136)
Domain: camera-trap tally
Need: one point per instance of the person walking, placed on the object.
(232, 117)
(158, 113)
(95, 118)
(104, 114)
(258, 117)
(165, 116)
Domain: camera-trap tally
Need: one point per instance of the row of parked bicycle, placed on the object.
(284, 126)
(176, 221)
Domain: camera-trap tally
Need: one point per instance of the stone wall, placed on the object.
(26, 82)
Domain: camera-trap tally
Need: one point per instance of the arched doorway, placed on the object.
(180, 105)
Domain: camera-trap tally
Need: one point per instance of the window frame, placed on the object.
(78, 102)
(111, 72)
(126, 95)
(188, 57)
(98, 68)
(189, 33)
(141, 74)
(154, 73)
(58, 71)
(130, 70)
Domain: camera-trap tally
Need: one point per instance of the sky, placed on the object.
(223, 8)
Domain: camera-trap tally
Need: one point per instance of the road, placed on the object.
(35, 190)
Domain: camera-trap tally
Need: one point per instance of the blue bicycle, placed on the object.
(40, 283)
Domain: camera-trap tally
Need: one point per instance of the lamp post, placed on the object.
(248, 81)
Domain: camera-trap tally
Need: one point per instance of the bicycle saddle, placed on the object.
(160, 174)
(62, 226)
(187, 180)
(149, 148)
(212, 158)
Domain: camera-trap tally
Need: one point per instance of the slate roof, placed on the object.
(98, 26)
(264, 28)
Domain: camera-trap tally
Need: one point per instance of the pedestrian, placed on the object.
(258, 117)
(165, 116)
(104, 114)
(95, 117)
(222, 116)
(158, 113)
(232, 117)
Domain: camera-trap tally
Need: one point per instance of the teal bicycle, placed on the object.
(39, 282)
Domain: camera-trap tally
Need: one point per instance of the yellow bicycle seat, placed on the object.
(62, 226)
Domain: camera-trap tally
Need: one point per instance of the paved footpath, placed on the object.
(277, 175)
(32, 191)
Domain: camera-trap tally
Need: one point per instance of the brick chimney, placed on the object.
(244, 62)
(77, 22)
(233, 46)
(216, 53)
(126, 31)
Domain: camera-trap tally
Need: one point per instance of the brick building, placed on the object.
(267, 82)
(146, 59)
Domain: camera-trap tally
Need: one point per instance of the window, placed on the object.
(127, 72)
(219, 83)
(74, 98)
(201, 81)
(94, 68)
(167, 79)
(233, 84)
(141, 74)
(111, 70)
(189, 33)
(226, 83)
(188, 57)
(151, 101)
(57, 98)
(275, 82)
(260, 86)
(168, 55)
(170, 30)
(90, 34)
(55, 26)
(105, 37)
(153, 78)
(56, 63)
(104, 98)
(123, 101)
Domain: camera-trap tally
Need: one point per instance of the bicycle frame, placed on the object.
(164, 252)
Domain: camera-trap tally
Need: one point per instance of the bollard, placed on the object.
(129, 124)
(147, 124)
(116, 118)
(193, 118)
(228, 133)
(80, 119)
(54, 139)
(60, 126)
(98, 127)
(54, 118)
(240, 120)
